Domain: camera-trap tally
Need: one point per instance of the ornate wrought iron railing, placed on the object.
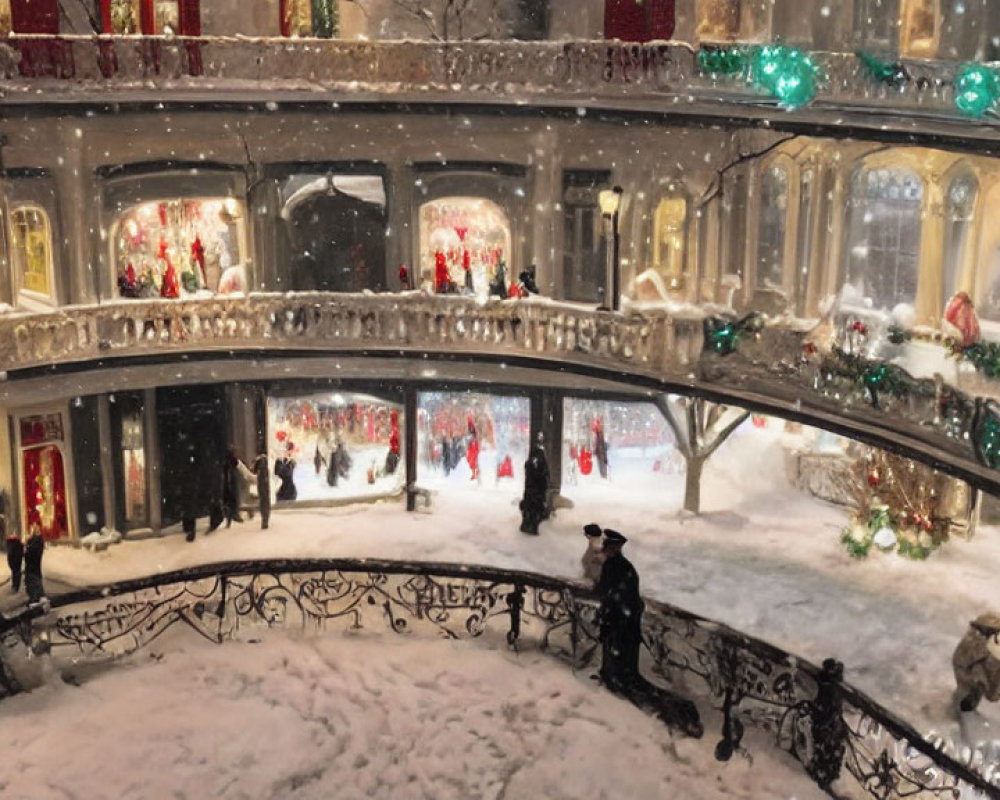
(565, 71)
(848, 744)
(771, 370)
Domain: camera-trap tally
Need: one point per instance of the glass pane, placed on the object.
(166, 17)
(668, 240)
(473, 439)
(180, 246)
(30, 240)
(804, 239)
(5, 18)
(335, 445)
(960, 203)
(883, 248)
(125, 16)
(718, 19)
(134, 465)
(918, 28)
(298, 17)
(771, 236)
(463, 242)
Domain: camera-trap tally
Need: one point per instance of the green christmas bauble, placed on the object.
(786, 73)
(977, 89)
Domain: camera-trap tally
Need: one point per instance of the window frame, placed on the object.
(23, 296)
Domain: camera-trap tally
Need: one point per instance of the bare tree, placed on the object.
(699, 426)
(446, 20)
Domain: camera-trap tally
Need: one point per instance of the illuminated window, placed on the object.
(718, 20)
(309, 18)
(43, 475)
(918, 29)
(771, 234)
(6, 25)
(125, 16)
(133, 464)
(883, 244)
(172, 247)
(668, 240)
(465, 240)
(166, 16)
(960, 206)
(31, 246)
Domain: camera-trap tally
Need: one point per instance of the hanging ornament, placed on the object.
(785, 72)
(986, 433)
(977, 88)
(723, 336)
(892, 74)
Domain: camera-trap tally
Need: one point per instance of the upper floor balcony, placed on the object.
(597, 53)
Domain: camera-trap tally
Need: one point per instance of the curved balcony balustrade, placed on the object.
(663, 77)
(846, 742)
(772, 370)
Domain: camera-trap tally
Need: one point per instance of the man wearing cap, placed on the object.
(593, 557)
(620, 615)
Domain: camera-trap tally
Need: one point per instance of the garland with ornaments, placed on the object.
(792, 76)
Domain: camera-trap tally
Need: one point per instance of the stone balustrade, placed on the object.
(771, 371)
(572, 71)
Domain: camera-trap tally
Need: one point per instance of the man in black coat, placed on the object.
(534, 504)
(620, 616)
(33, 566)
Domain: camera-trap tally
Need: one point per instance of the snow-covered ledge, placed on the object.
(41, 69)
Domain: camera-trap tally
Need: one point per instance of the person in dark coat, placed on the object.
(620, 616)
(231, 479)
(284, 468)
(33, 551)
(15, 560)
(263, 489)
(534, 504)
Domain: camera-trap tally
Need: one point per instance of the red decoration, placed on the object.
(170, 288)
(404, 277)
(162, 252)
(472, 455)
(466, 260)
(506, 468)
(161, 210)
(859, 327)
(759, 421)
(442, 279)
(461, 231)
(874, 477)
(394, 434)
(961, 315)
(198, 256)
(280, 435)
(586, 460)
(45, 491)
(130, 275)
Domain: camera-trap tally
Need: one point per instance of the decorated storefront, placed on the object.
(175, 233)
(43, 464)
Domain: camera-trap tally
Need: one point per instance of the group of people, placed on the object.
(23, 558)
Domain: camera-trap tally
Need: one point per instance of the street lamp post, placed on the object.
(610, 202)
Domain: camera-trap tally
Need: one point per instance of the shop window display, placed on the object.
(622, 442)
(309, 18)
(124, 15)
(473, 439)
(133, 454)
(31, 246)
(166, 17)
(43, 475)
(464, 243)
(331, 445)
(918, 28)
(178, 247)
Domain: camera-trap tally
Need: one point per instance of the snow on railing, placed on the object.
(587, 70)
(846, 742)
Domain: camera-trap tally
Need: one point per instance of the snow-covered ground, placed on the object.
(763, 558)
(363, 715)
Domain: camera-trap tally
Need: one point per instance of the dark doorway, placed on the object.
(191, 425)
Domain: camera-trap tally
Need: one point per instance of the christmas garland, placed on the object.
(722, 336)
(786, 73)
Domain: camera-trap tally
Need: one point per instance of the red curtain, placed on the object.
(638, 20)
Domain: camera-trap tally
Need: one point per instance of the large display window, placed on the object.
(472, 439)
(31, 253)
(180, 246)
(334, 445)
(464, 242)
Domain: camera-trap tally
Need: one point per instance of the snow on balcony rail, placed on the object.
(846, 742)
(584, 72)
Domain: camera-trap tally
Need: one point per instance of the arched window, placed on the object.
(31, 252)
(151, 17)
(918, 28)
(960, 206)
(771, 233)
(465, 240)
(718, 20)
(669, 230)
(883, 237)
